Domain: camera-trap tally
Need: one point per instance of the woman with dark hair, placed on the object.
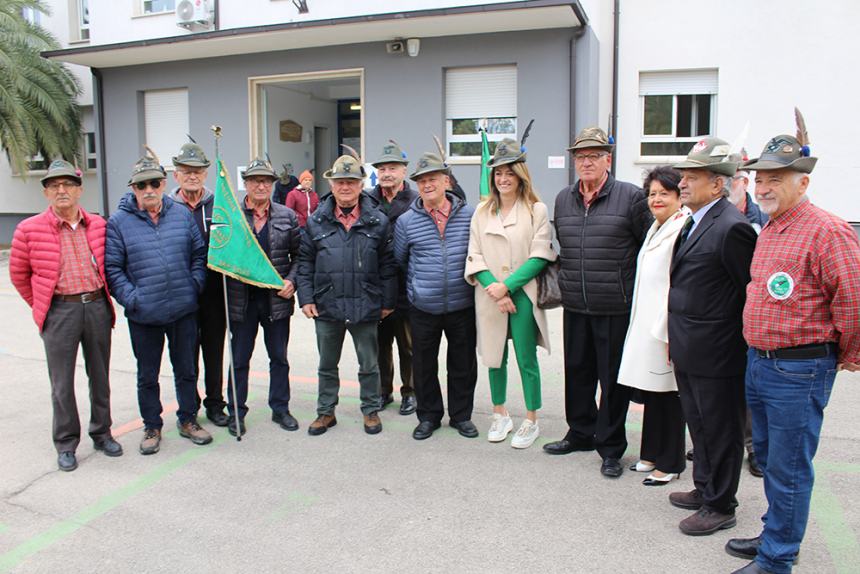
(509, 244)
(645, 363)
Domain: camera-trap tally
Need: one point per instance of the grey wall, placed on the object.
(404, 98)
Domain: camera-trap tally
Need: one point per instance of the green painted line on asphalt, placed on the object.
(295, 502)
(106, 503)
(830, 517)
(837, 467)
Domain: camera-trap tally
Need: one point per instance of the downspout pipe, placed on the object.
(98, 103)
(613, 120)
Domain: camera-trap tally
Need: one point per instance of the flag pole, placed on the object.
(217, 131)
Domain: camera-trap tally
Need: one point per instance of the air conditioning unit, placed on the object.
(194, 15)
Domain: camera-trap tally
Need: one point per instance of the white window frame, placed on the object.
(89, 154)
(144, 12)
(471, 77)
(676, 83)
(165, 134)
(79, 30)
(31, 15)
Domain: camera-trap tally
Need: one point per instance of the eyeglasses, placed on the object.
(57, 185)
(262, 181)
(153, 183)
(592, 157)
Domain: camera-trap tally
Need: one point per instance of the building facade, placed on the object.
(298, 85)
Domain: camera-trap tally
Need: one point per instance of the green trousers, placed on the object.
(522, 329)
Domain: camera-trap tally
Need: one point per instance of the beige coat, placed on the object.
(501, 249)
(644, 363)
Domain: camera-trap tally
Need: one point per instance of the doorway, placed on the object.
(297, 119)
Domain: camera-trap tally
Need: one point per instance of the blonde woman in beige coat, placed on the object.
(509, 245)
(645, 361)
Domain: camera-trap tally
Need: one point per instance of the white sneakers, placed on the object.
(526, 434)
(502, 425)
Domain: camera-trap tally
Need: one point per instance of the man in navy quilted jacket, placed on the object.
(431, 241)
(155, 262)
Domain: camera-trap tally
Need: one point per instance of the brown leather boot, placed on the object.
(372, 424)
(151, 441)
(706, 521)
(322, 424)
(691, 500)
(194, 432)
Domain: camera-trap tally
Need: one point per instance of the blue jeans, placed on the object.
(147, 342)
(786, 399)
(276, 335)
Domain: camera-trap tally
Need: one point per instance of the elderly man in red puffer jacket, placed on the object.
(57, 265)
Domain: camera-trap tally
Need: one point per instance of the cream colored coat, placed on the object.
(501, 249)
(644, 363)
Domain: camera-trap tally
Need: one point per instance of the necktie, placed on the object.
(685, 231)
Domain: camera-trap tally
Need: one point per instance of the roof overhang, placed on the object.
(466, 20)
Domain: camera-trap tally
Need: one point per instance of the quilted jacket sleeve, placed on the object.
(116, 264)
(19, 265)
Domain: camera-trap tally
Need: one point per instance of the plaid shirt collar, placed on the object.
(347, 219)
(784, 220)
(59, 222)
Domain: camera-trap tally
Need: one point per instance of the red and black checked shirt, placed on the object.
(78, 273)
(805, 283)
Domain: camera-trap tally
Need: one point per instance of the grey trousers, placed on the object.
(67, 326)
(330, 335)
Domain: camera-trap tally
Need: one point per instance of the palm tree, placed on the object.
(38, 107)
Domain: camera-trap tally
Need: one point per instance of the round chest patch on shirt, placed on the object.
(780, 285)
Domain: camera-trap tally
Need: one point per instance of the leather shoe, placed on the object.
(746, 548)
(752, 463)
(286, 420)
(108, 446)
(743, 547)
(372, 424)
(706, 521)
(690, 455)
(231, 426)
(425, 430)
(217, 417)
(66, 461)
(385, 400)
(321, 424)
(408, 405)
(752, 568)
(465, 428)
(565, 446)
(611, 468)
(691, 500)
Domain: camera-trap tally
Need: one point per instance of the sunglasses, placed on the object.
(153, 183)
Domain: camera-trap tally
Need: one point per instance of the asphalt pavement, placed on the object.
(346, 501)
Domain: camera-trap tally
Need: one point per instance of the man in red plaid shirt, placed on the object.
(801, 322)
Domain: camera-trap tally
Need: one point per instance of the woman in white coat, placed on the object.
(509, 245)
(645, 361)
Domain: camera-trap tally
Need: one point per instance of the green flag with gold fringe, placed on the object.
(233, 248)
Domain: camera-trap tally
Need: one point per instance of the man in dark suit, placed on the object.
(708, 278)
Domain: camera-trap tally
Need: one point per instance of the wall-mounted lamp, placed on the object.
(413, 45)
(355, 107)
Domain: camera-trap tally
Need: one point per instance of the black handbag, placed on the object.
(548, 290)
